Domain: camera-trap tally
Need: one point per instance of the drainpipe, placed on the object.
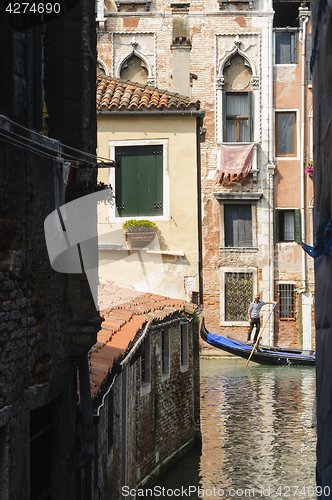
(199, 131)
(305, 19)
(270, 175)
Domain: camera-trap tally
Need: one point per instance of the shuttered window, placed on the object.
(238, 225)
(139, 180)
(287, 225)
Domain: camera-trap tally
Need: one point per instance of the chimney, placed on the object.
(181, 47)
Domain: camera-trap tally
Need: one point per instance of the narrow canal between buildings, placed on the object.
(258, 439)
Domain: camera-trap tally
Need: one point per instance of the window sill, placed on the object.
(239, 249)
(287, 319)
(145, 388)
(184, 368)
(235, 323)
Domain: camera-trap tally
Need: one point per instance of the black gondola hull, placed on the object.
(266, 355)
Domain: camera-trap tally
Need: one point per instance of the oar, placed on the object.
(259, 336)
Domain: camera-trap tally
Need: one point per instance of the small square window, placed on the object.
(286, 133)
(286, 47)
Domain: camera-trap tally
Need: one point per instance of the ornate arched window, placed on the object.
(236, 84)
(134, 69)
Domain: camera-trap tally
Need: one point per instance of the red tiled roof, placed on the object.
(122, 323)
(117, 94)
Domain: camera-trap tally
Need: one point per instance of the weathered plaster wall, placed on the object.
(178, 232)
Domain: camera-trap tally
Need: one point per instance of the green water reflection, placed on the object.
(257, 434)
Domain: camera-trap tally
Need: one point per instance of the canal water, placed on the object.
(258, 438)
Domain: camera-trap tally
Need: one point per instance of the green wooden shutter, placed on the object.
(276, 226)
(139, 181)
(224, 117)
(298, 235)
(150, 180)
(250, 118)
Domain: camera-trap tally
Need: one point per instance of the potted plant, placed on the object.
(139, 232)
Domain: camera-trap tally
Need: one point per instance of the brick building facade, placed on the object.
(145, 389)
(247, 64)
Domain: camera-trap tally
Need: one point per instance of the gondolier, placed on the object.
(253, 315)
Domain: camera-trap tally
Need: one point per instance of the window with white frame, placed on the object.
(139, 179)
(286, 47)
(286, 133)
(165, 357)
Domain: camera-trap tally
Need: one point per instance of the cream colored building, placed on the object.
(163, 130)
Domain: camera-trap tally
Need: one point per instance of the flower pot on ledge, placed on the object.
(140, 238)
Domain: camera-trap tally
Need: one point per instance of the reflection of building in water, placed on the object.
(256, 425)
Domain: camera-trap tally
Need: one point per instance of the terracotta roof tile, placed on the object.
(117, 94)
(122, 323)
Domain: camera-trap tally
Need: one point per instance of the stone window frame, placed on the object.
(297, 134)
(146, 385)
(256, 91)
(239, 198)
(166, 194)
(184, 353)
(285, 30)
(116, 69)
(165, 374)
(223, 271)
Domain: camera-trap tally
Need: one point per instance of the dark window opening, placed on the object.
(286, 14)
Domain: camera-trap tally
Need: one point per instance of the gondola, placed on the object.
(265, 355)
